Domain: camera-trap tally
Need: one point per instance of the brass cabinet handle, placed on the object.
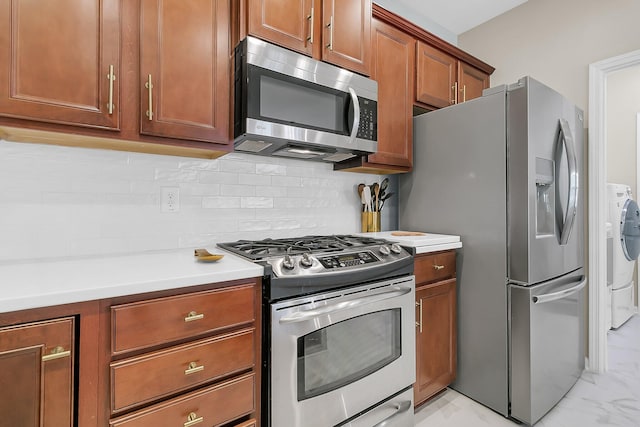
(330, 27)
(149, 86)
(454, 88)
(193, 419)
(464, 93)
(193, 368)
(438, 267)
(419, 324)
(56, 353)
(310, 19)
(193, 316)
(112, 78)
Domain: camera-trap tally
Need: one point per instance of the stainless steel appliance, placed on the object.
(338, 330)
(290, 105)
(504, 172)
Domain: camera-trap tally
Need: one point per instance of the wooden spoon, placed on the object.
(376, 194)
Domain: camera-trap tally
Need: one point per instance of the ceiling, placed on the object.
(458, 16)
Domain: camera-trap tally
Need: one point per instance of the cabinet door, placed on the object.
(471, 82)
(435, 76)
(393, 67)
(435, 338)
(36, 373)
(287, 23)
(55, 61)
(185, 69)
(346, 35)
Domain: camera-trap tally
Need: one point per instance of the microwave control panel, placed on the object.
(368, 128)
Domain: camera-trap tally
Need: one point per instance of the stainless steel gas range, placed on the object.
(339, 343)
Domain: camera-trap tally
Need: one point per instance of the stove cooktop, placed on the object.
(257, 250)
(311, 264)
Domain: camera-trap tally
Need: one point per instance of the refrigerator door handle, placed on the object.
(553, 296)
(572, 201)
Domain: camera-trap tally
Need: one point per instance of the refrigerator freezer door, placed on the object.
(545, 145)
(547, 343)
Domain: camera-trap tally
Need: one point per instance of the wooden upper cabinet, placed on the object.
(392, 67)
(185, 69)
(443, 80)
(36, 371)
(56, 58)
(471, 82)
(335, 31)
(435, 76)
(286, 23)
(346, 38)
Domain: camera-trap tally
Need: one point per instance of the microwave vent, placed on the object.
(253, 146)
(338, 157)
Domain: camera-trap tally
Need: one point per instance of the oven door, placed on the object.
(335, 355)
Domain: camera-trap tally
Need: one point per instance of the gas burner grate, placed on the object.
(258, 249)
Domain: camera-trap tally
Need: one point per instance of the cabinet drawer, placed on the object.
(216, 405)
(428, 268)
(146, 378)
(159, 321)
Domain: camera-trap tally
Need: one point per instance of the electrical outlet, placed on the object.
(170, 199)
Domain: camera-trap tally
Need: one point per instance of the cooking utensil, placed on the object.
(360, 190)
(385, 197)
(376, 194)
(366, 195)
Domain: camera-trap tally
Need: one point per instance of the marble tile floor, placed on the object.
(611, 399)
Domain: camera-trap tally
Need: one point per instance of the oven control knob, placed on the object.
(287, 262)
(384, 250)
(306, 261)
(395, 248)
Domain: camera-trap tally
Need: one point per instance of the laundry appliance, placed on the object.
(624, 215)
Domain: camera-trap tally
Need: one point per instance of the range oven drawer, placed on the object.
(140, 380)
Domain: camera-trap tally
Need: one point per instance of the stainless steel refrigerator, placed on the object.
(505, 172)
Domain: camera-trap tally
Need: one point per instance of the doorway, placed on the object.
(597, 165)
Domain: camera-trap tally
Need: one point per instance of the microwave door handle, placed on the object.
(304, 315)
(572, 200)
(356, 115)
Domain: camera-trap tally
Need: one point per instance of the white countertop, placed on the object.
(32, 284)
(427, 242)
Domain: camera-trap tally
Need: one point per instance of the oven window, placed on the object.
(345, 352)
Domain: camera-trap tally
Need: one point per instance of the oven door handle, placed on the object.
(303, 315)
(400, 409)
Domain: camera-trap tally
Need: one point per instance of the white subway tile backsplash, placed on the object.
(63, 201)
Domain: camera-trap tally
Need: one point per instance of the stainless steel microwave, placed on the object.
(290, 105)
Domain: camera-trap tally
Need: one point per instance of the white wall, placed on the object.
(623, 105)
(554, 41)
(61, 201)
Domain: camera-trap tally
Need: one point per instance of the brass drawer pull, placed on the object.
(193, 316)
(330, 27)
(149, 87)
(193, 419)
(193, 368)
(419, 324)
(310, 19)
(56, 353)
(438, 267)
(111, 77)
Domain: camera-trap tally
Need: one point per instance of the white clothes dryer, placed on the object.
(624, 216)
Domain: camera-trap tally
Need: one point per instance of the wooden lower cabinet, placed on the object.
(435, 324)
(186, 359)
(37, 374)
